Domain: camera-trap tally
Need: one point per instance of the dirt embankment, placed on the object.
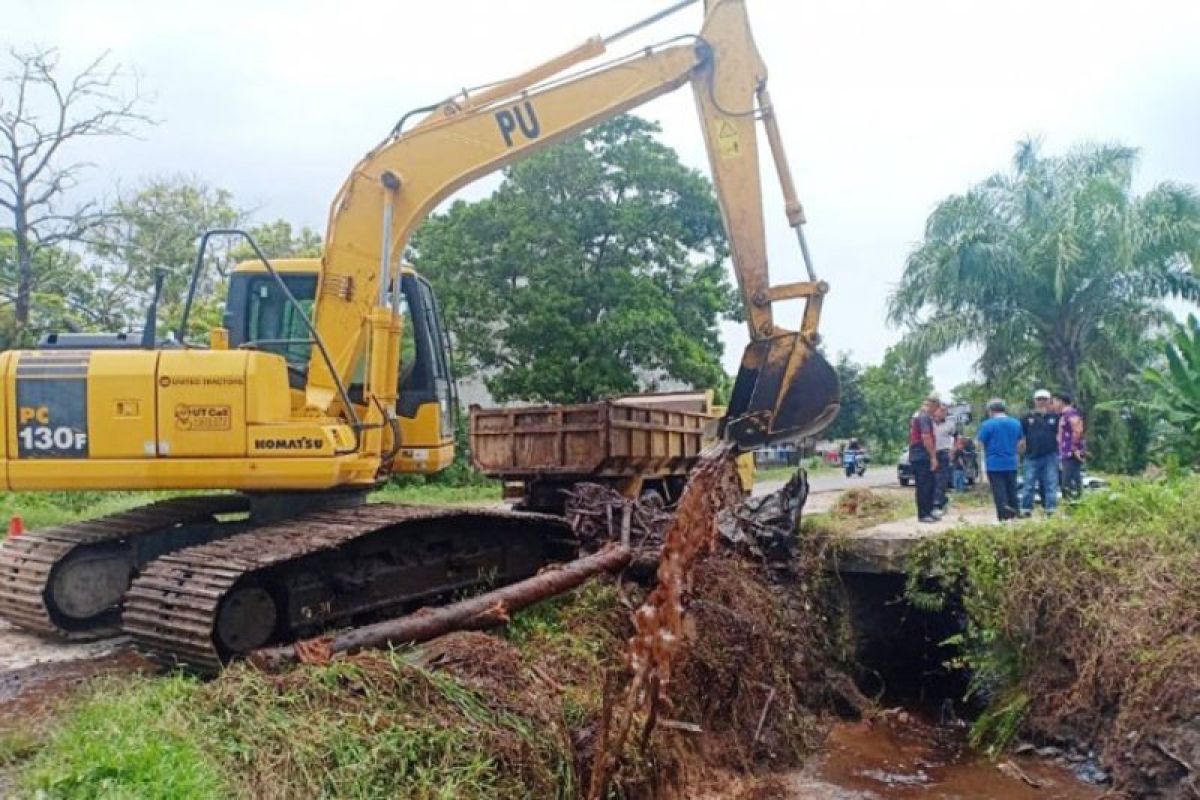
(1084, 632)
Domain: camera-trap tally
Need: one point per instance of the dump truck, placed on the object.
(640, 445)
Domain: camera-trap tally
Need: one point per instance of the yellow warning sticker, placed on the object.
(729, 144)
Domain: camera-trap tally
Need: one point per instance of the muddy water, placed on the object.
(900, 756)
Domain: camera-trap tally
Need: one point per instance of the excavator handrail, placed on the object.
(454, 101)
(356, 424)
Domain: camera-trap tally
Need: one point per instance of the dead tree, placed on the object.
(482, 611)
(42, 113)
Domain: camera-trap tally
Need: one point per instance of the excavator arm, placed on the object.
(784, 387)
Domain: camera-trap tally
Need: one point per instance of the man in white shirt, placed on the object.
(945, 429)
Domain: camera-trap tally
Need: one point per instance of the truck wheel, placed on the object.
(904, 481)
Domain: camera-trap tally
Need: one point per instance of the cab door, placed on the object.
(427, 401)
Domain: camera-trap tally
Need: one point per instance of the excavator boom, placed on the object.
(784, 387)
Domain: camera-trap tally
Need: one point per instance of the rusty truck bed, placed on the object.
(611, 439)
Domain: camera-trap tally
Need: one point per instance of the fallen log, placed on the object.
(483, 611)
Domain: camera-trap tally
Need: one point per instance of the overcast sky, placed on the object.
(886, 107)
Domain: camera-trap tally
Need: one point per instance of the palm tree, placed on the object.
(1055, 270)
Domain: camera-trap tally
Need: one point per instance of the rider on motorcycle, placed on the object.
(854, 459)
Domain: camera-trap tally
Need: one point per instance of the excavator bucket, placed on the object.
(785, 389)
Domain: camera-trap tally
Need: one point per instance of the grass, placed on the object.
(17, 745)
(1088, 622)
(130, 740)
(378, 725)
(856, 509)
(466, 716)
(437, 494)
(815, 466)
(45, 509)
(572, 638)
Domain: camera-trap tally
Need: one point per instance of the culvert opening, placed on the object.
(900, 651)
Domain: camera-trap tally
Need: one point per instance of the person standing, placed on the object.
(922, 456)
(1000, 436)
(958, 462)
(1040, 429)
(1072, 445)
(944, 431)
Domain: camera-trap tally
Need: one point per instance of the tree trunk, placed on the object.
(24, 271)
(1065, 362)
(484, 611)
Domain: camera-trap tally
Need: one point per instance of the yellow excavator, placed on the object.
(329, 375)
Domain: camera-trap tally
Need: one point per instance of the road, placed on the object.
(824, 482)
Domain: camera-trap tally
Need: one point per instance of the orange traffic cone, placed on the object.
(16, 526)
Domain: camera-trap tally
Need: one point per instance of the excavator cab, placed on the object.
(258, 315)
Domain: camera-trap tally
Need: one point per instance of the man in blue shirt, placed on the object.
(1001, 437)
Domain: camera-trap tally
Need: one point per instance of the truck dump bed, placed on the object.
(645, 435)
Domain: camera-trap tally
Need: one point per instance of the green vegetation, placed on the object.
(43, 509)
(595, 262)
(854, 510)
(437, 494)
(1086, 626)
(1058, 273)
(878, 400)
(577, 638)
(378, 725)
(128, 739)
(469, 715)
(72, 264)
(814, 466)
(381, 724)
(1171, 393)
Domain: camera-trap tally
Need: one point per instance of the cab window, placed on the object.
(273, 325)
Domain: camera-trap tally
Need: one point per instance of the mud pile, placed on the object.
(724, 668)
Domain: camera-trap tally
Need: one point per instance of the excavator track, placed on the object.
(204, 605)
(46, 574)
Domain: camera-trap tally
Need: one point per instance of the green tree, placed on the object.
(159, 227)
(279, 239)
(1055, 270)
(596, 268)
(891, 392)
(849, 419)
(63, 295)
(1171, 392)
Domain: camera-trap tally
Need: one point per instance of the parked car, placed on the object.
(904, 470)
